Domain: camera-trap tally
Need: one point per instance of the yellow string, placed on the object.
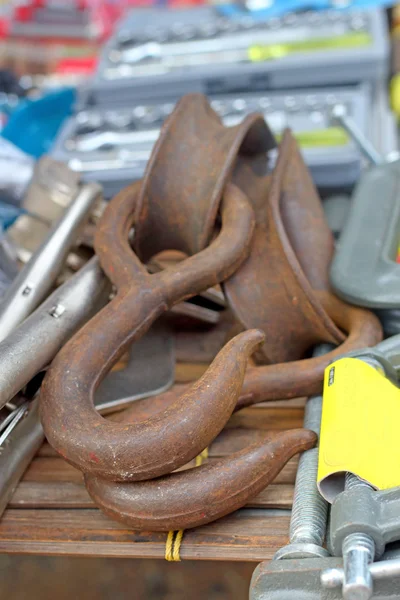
(174, 538)
(201, 457)
(170, 546)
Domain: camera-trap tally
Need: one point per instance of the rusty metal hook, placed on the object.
(70, 421)
(152, 447)
(199, 495)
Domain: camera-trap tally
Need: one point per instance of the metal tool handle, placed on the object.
(90, 142)
(15, 455)
(340, 116)
(32, 346)
(34, 282)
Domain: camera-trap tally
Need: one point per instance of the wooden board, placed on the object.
(51, 512)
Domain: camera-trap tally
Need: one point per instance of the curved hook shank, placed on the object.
(146, 449)
(197, 496)
(71, 423)
(221, 258)
(111, 241)
(285, 380)
(189, 277)
(305, 377)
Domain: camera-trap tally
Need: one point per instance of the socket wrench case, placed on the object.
(196, 50)
(112, 146)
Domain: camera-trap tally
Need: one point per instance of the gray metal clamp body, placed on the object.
(364, 269)
(300, 579)
(36, 279)
(358, 511)
(365, 510)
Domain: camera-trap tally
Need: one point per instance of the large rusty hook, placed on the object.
(69, 419)
(199, 495)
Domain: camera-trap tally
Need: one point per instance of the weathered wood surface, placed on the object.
(51, 512)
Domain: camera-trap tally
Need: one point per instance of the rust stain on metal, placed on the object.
(187, 172)
(292, 248)
(142, 450)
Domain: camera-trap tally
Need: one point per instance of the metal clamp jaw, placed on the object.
(362, 272)
(370, 515)
(51, 190)
(301, 578)
(365, 510)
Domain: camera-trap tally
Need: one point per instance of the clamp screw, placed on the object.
(310, 509)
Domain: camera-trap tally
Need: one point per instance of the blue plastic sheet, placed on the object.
(34, 124)
(278, 8)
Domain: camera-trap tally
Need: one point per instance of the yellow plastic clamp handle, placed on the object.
(359, 428)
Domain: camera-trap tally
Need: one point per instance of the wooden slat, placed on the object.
(268, 419)
(66, 494)
(245, 536)
(51, 469)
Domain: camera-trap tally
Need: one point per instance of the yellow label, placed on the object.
(329, 136)
(395, 94)
(258, 52)
(360, 430)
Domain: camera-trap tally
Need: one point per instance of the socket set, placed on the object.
(197, 50)
(113, 146)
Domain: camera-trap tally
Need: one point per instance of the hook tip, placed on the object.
(252, 339)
